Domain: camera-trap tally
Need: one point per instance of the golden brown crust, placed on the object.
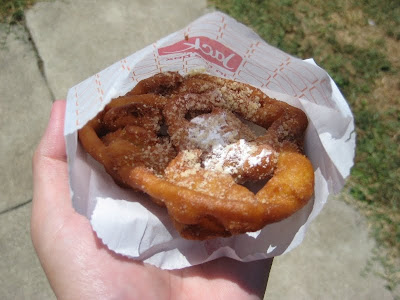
(183, 141)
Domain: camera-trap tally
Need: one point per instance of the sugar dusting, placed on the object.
(231, 158)
(225, 151)
(226, 135)
(211, 132)
(256, 160)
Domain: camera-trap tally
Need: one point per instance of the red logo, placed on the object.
(207, 48)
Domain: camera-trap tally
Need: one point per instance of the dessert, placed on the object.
(190, 143)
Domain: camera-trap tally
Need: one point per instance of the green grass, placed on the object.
(12, 11)
(357, 42)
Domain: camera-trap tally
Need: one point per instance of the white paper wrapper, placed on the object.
(131, 224)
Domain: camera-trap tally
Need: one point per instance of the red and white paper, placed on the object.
(132, 225)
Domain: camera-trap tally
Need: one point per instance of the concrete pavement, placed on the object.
(78, 39)
(23, 91)
(72, 40)
(332, 261)
(24, 109)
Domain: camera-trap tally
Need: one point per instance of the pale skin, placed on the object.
(79, 266)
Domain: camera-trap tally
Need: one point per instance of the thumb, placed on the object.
(51, 197)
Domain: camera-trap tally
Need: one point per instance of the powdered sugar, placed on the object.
(221, 138)
(231, 158)
(256, 160)
(211, 132)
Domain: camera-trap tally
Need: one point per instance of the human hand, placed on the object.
(79, 266)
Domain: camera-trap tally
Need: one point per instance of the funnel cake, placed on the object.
(194, 144)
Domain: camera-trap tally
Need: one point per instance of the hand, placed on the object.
(79, 266)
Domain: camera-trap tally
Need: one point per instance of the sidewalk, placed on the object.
(71, 41)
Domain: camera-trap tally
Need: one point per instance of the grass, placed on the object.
(12, 11)
(358, 43)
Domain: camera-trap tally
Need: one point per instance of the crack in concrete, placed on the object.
(40, 64)
(7, 210)
(39, 60)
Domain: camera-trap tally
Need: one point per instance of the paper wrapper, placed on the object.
(131, 224)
